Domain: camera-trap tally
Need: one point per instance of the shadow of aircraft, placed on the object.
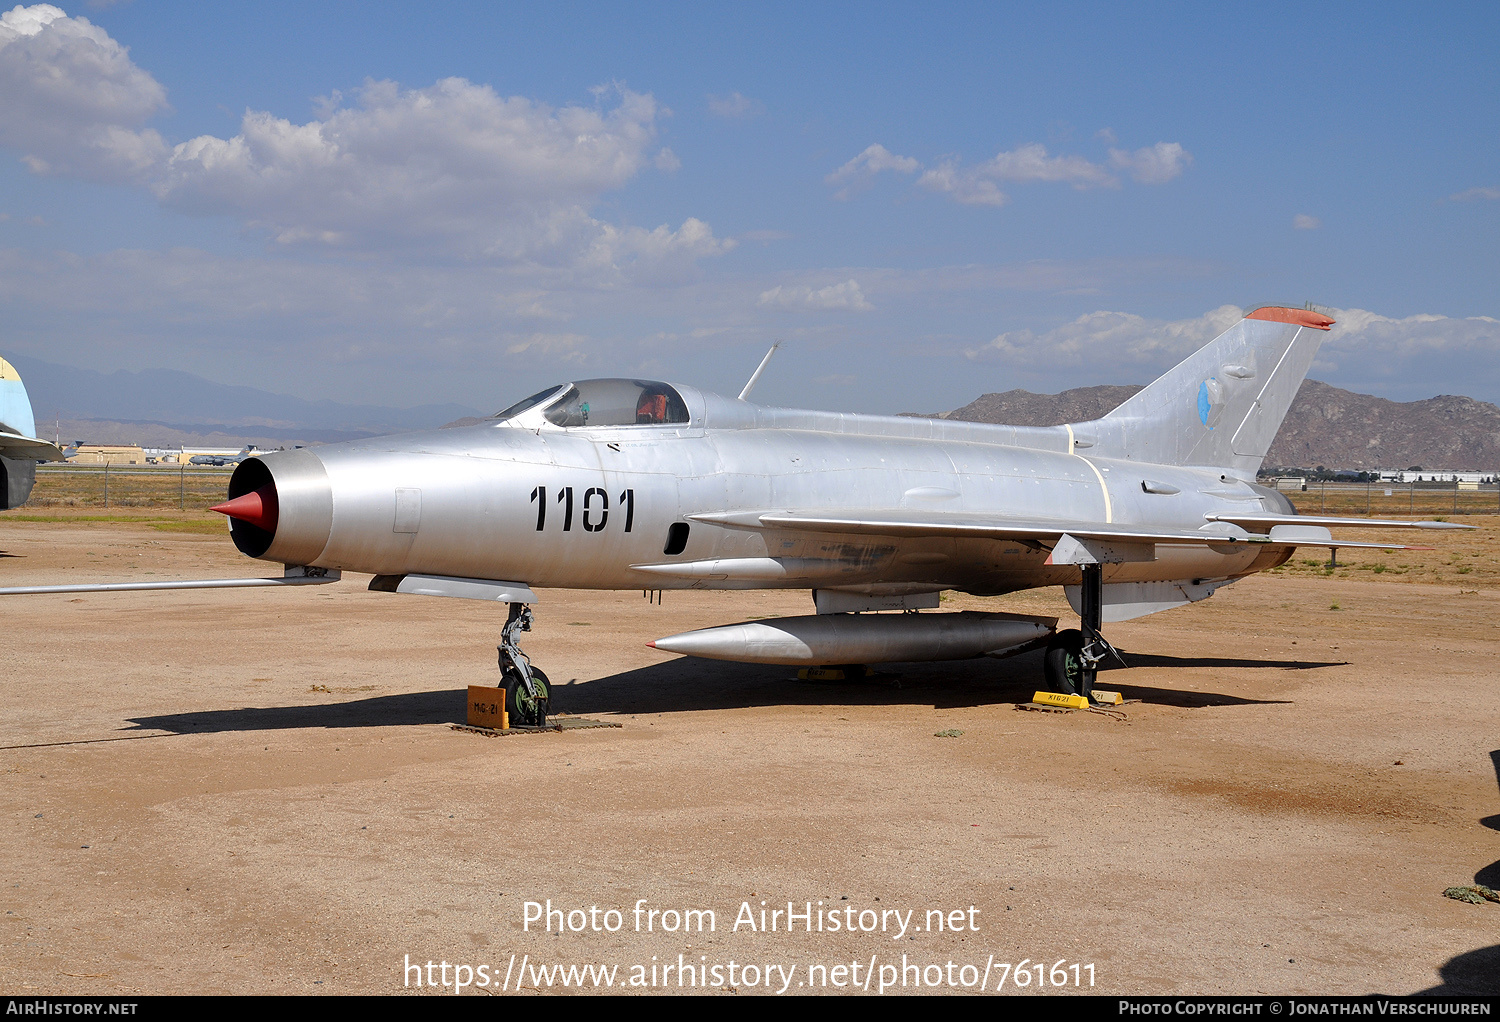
(437, 707)
(1477, 971)
(1157, 660)
(1473, 972)
(689, 683)
(1490, 875)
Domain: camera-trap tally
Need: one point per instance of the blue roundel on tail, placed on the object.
(1203, 403)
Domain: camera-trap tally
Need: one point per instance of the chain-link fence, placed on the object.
(111, 486)
(1396, 500)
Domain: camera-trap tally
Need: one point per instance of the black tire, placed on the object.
(1063, 664)
(522, 709)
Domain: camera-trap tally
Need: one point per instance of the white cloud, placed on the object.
(1475, 193)
(845, 296)
(1360, 336)
(966, 187)
(658, 255)
(978, 185)
(1031, 163)
(1303, 222)
(453, 163)
(734, 105)
(73, 98)
(564, 347)
(860, 171)
(1403, 358)
(453, 169)
(666, 161)
(1153, 165)
(1119, 340)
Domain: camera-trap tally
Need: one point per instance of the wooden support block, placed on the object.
(487, 708)
(1058, 699)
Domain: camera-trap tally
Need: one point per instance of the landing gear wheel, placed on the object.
(1063, 664)
(524, 709)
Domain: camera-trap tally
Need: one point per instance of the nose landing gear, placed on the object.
(527, 699)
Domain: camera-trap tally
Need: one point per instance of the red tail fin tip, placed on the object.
(1299, 317)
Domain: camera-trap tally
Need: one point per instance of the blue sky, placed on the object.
(466, 202)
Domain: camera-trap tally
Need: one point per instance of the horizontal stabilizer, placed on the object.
(13, 445)
(1256, 521)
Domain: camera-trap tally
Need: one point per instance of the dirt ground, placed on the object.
(259, 792)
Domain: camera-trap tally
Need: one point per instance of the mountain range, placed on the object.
(1326, 426)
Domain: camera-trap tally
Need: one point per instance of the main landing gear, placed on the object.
(1074, 654)
(526, 696)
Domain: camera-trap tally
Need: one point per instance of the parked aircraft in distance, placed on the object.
(20, 450)
(221, 460)
(638, 484)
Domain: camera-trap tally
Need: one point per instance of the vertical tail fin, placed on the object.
(19, 450)
(1222, 405)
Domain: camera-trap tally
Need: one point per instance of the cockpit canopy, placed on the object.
(604, 403)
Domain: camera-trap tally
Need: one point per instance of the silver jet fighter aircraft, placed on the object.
(635, 484)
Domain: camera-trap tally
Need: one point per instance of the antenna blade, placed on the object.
(758, 370)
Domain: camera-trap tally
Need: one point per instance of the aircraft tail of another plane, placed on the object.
(1223, 404)
(20, 450)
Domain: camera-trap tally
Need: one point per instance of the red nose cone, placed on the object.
(257, 508)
